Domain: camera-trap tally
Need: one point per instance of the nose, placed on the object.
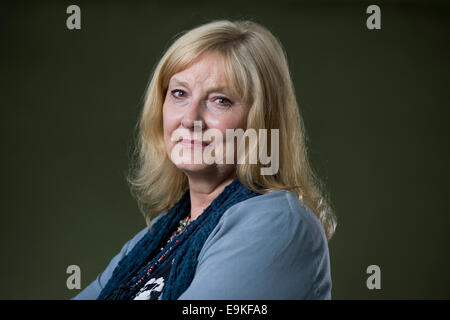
(193, 116)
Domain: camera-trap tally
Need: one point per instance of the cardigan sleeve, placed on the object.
(269, 247)
(92, 291)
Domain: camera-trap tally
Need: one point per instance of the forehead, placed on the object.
(208, 69)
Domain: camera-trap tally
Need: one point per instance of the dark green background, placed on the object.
(375, 106)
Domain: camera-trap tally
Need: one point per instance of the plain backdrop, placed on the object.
(375, 105)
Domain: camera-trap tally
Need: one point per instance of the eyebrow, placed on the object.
(220, 88)
(175, 80)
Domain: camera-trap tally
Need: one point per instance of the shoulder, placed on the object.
(129, 245)
(275, 211)
(138, 236)
(275, 220)
(281, 247)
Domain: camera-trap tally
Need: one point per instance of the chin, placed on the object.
(188, 164)
(195, 168)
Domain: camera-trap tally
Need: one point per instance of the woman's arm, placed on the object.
(268, 247)
(92, 291)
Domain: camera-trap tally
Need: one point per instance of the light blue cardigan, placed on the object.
(269, 247)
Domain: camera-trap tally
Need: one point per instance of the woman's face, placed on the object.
(200, 94)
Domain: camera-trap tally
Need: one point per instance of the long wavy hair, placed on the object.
(257, 70)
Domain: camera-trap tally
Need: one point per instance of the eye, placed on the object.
(224, 101)
(177, 93)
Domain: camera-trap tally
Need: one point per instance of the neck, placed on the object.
(204, 189)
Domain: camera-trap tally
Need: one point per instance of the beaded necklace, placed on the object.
(181, 227)
(183, 224)
(184, 248)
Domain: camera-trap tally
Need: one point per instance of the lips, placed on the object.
(193, 143)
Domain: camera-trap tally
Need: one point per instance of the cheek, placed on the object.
(243, 115)
(168, 122)
(168, 114)
(230, 119)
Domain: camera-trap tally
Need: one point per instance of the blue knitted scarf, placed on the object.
(184, 252)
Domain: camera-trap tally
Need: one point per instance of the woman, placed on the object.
(222, 229)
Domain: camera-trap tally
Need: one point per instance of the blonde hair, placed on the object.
(257, 69)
